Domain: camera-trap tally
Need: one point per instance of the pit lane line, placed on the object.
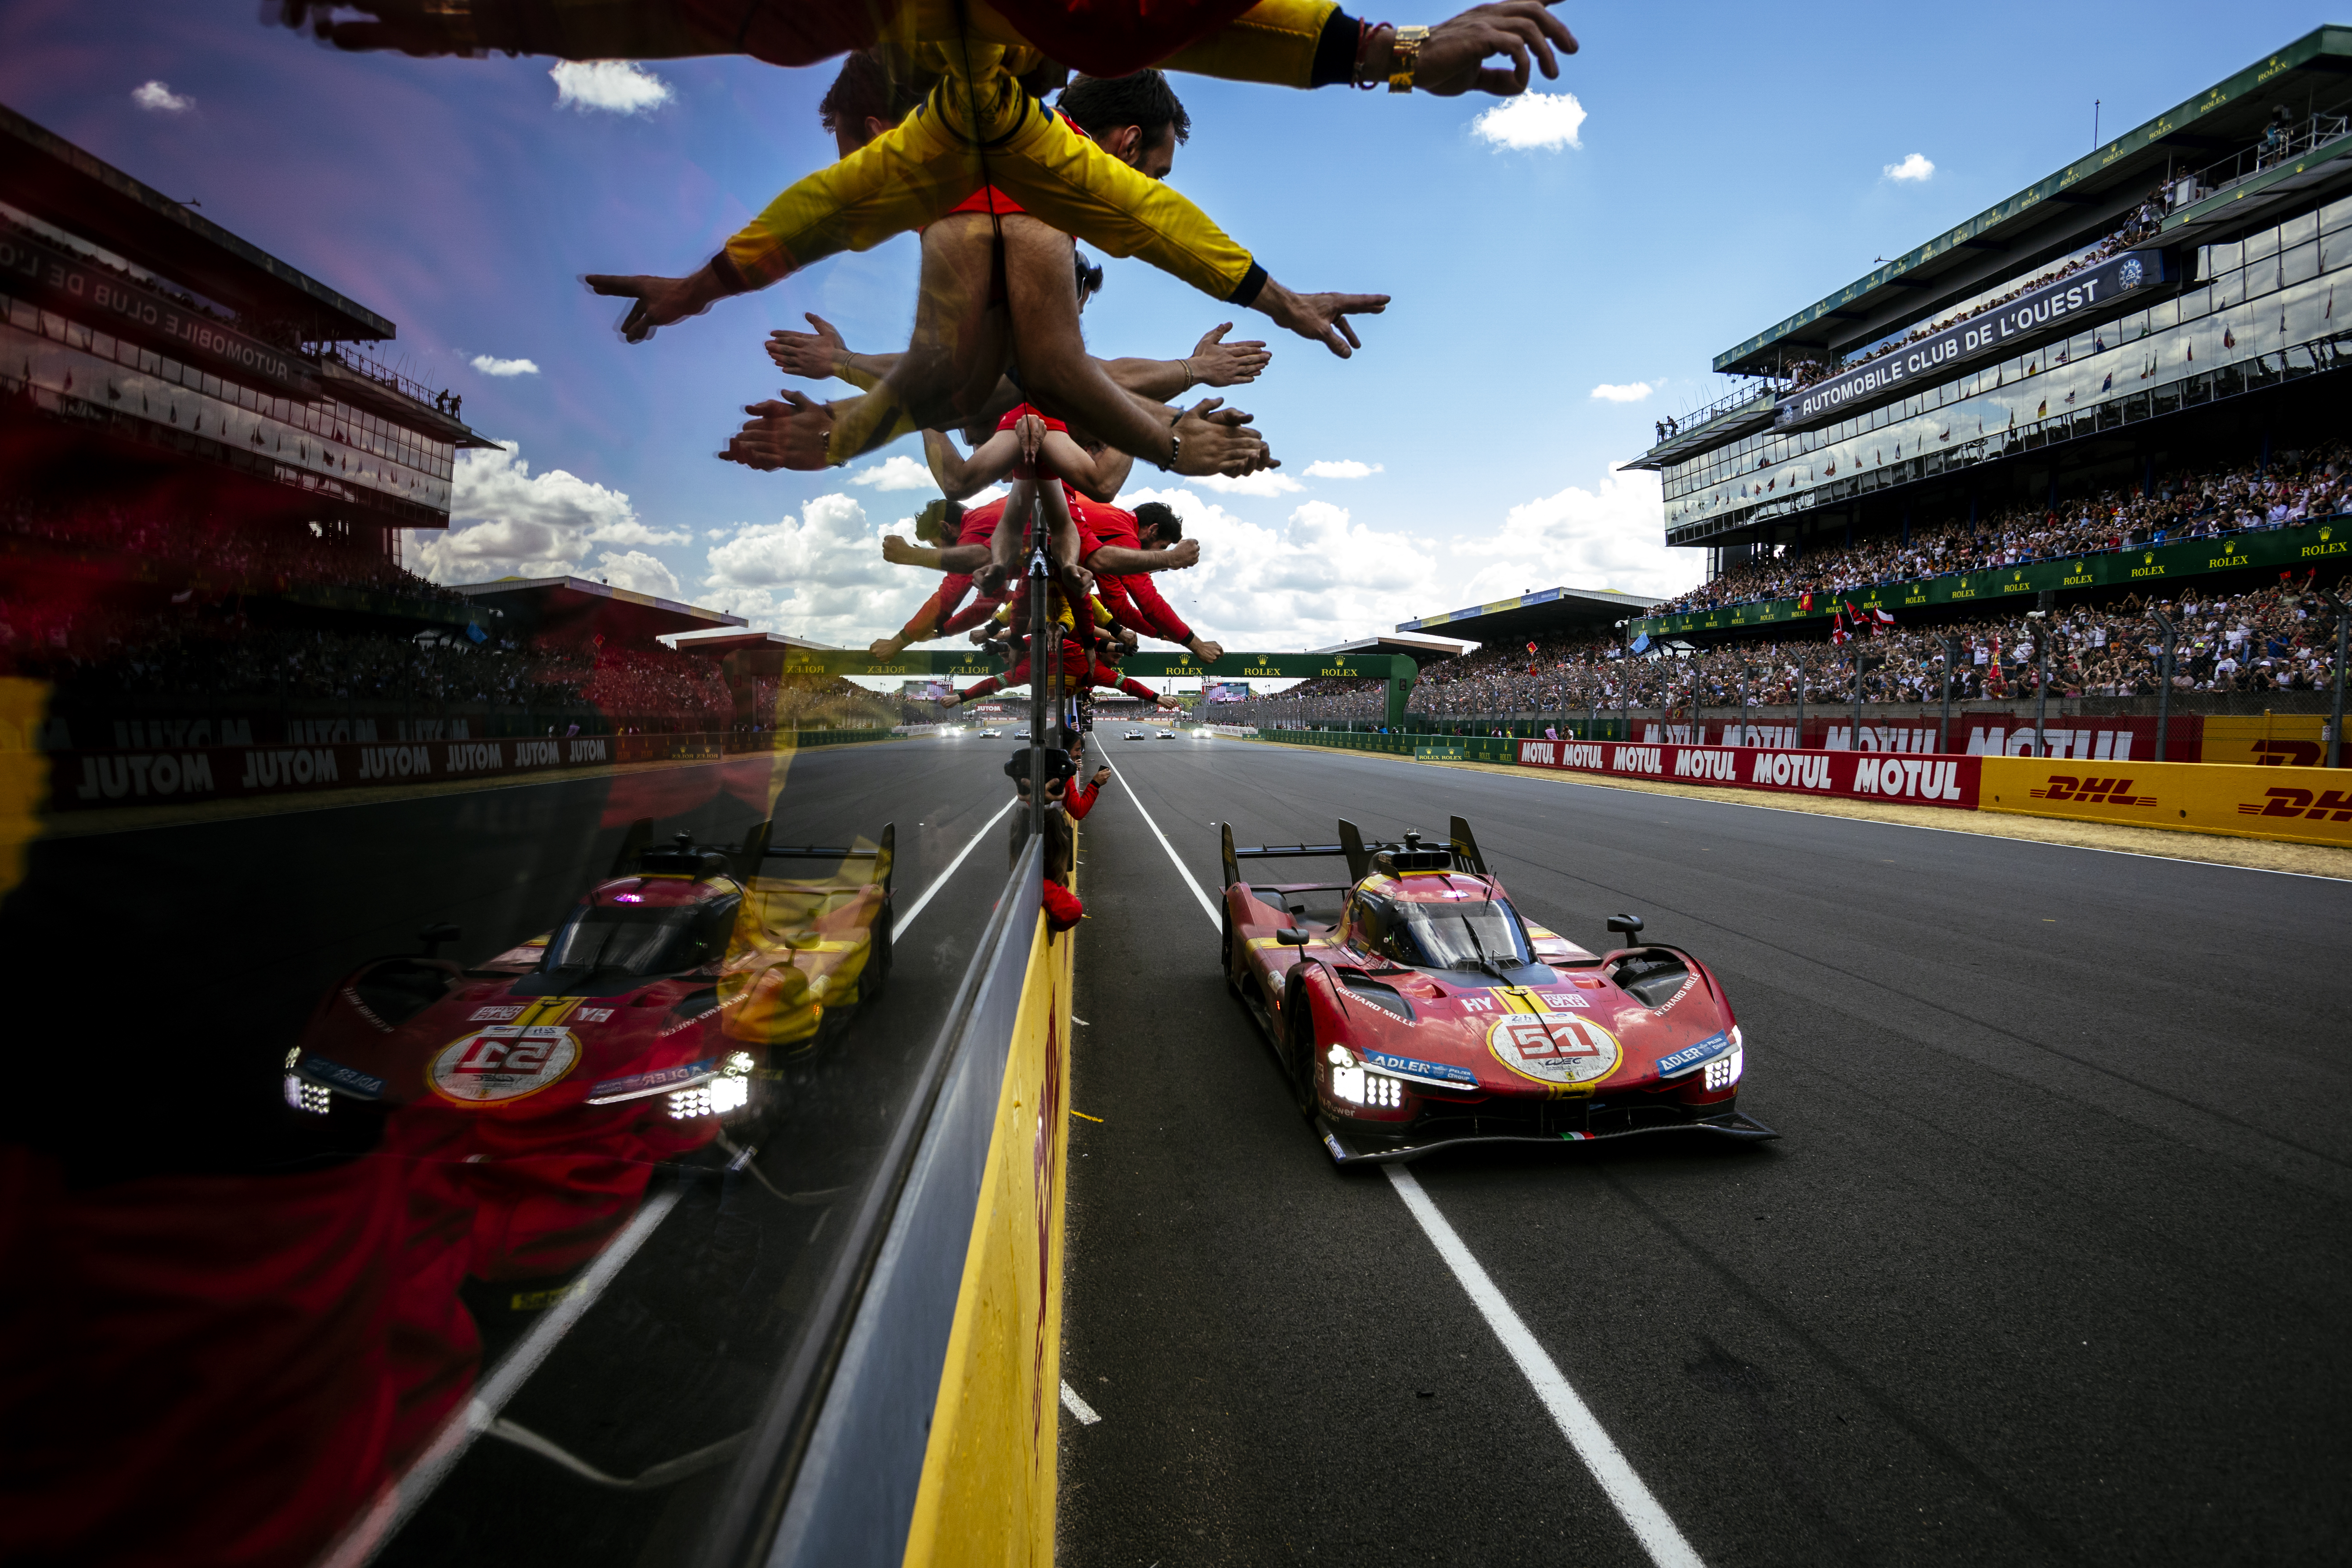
(397, 1503)
(1601, 1455)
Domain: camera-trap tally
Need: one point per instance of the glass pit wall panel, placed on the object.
(2212, 321)
(2243, 313)
(64, 357)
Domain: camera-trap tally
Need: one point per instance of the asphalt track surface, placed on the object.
(2049, 1264)
(231, 930)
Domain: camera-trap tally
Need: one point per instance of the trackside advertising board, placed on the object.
(85, 781)
(2302, 806)
(1943, 781)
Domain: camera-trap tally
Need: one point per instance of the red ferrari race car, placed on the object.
(1431, 1013)
(675, 979)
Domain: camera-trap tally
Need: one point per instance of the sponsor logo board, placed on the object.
(1912, 778)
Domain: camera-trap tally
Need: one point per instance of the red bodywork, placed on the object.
(1393, 1058)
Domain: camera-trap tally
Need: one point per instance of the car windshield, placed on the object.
(1465, 935)
(609, 940)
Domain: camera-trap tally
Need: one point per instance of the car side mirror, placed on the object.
(1626, 925)
(432, 936)
(1290, 936)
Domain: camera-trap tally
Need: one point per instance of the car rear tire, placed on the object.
(876, 975)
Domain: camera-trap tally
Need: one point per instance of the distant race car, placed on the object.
(1432, 1013)
(1168, 734)
(1137, 735)
(992, 734)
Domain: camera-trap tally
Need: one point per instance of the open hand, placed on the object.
(1215, 439)
(816, 355)
(1453, 60)
(795, 433)
(1216, 362)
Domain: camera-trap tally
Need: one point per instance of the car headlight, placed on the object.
(1724, 1071)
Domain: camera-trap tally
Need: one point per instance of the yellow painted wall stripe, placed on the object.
(987, 1493)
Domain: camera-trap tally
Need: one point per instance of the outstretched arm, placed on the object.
(821, 355)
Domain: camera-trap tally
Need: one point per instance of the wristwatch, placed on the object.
(1406, 56)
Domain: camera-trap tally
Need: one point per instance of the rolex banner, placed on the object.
(2032, 316)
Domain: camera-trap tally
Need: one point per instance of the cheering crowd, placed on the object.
(2276, 638)
(2298, 488)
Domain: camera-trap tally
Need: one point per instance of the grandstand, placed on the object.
(2117, 389)
(204, 481)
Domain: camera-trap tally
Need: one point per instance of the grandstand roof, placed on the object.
(1421, 648)
(2061, 213)
(1537, 614)
(576, 606)
(47, 175)
(730, 642)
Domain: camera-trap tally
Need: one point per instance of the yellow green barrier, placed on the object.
(2300, 805)
(987, 1490)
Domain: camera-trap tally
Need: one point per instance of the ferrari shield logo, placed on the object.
(1562, 1051)
(506, 1062)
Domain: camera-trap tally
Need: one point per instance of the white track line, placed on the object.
(941, 880)
(1076, 1407)
(1208, 907)
(1632, 1499)
(399, 1502)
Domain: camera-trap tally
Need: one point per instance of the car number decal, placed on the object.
(504, 1062)
(1560, 1050)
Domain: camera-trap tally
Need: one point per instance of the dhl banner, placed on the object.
(988, 1484)
(1916, 780)
(2302, 806)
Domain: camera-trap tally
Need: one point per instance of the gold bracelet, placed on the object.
(1405, 57)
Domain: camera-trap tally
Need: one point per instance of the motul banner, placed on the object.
(1916, 780)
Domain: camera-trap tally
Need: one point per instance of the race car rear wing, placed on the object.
(1460, 841)
(757, 851)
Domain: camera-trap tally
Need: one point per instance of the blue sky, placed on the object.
(1731, 165)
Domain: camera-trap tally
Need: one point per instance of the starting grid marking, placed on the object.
(1602, 1458)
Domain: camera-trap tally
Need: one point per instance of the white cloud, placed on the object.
(157, 98)
(639, 573)
(618, 86)
(898, 473)
(1264, 482)
(1915, 167)
(1319, 579)
(505, 521)
(1533, 121)
(1631, 392)
(820, 575)
(1341, 469)
(1607, 538)
(489, 366)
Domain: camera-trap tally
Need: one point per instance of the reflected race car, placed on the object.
(672, 983)
(1432, 1014)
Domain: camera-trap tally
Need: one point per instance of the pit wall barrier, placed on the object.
(988, 1484)
(934, 1440)
(97, 780)
(2299, 805)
